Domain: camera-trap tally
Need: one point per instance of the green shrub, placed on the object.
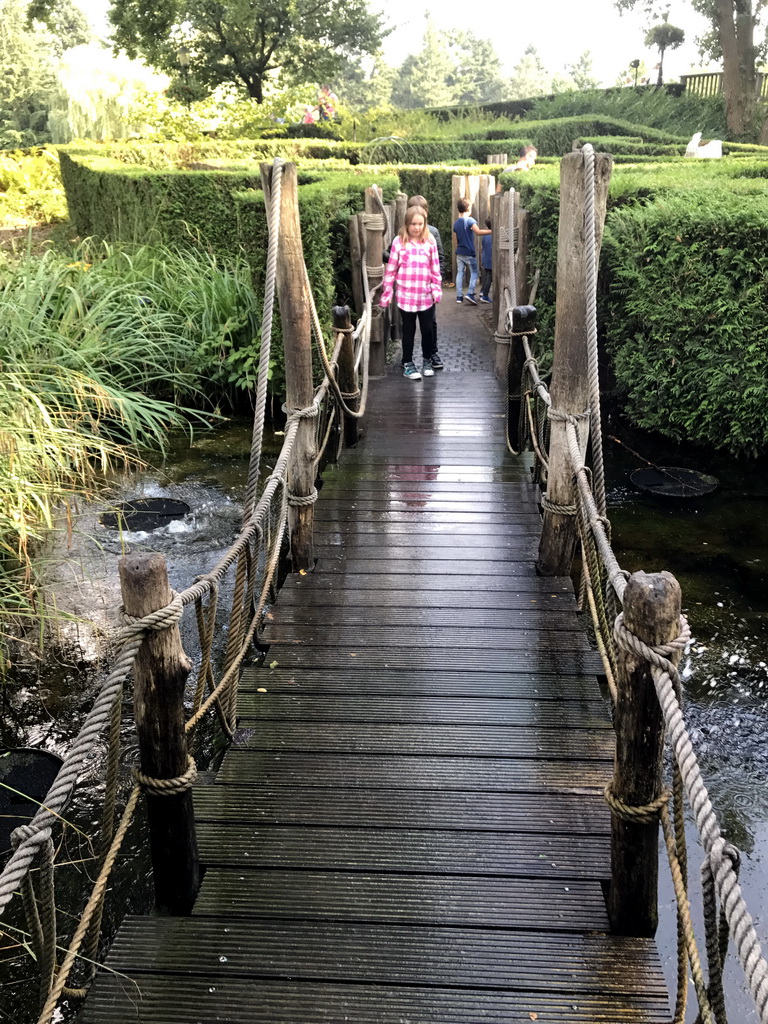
(687, 316)
(31, 186)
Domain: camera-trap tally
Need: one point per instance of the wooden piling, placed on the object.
(652, 613)
(374, 245)
(347, 375)
(570, 386)
(297, 344)
(356, 264)
(502, 279)
(160, 673)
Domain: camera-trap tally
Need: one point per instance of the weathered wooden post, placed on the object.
(502, 281)
(356, 264)
(297, 344)
(397, 222)
(496, 208)
(160, 673)
(458, 187)
(652, 613)
(570, 386)
(521, 259)
(375, 225)
(347, 374)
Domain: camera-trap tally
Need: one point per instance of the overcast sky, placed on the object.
(561, 30)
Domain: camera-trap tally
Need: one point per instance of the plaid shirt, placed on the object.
(415, 267)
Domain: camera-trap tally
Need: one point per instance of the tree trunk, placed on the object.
(660, 76)
(735, 30)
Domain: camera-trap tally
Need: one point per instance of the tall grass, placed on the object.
(101, 355)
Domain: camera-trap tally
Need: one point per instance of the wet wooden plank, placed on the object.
(544, 813)
(529, 863)
(533, 960)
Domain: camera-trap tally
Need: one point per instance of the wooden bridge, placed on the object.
(410, 825)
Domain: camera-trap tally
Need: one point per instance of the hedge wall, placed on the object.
(683, 293)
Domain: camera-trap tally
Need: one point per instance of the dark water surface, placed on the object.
(717, 547)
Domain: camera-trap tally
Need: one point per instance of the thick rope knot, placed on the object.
(167, 787)
(310, 413)
(375, 271)
(646, 814)
(343, 330)
(658, 655)
(351, 394)
(561, 510)
(373, 222)
(300, 500)
(162, 618)
(721, 853)
(567, 417)
(29, 834)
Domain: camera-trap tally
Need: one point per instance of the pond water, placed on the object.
(717, 547)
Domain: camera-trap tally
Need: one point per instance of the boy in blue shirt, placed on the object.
(464, 230)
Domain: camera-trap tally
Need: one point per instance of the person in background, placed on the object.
(486, 264)
(327, 102)
(464, 230)
(526, 158)
(414, 267)
(310, 114)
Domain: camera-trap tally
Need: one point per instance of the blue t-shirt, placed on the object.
(486, 253)
(465, 239)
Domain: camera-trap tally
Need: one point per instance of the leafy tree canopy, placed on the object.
(63, 19)
(582, 72)
(247, 42)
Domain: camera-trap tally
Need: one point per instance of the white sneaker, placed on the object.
(427, 369)
(410, 371)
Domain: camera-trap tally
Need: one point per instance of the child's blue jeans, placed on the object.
(462, 263)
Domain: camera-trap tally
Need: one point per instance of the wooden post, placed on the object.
(521, 262)
(160, 672)
(374, 245)
(297, 343)
(652, 613)
(457, 192)
(503, 280)
(496, 206)
(570, 388)
(347, 376)
(356, 264)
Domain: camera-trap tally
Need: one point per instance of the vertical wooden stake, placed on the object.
(160, 672)
(496, 222)
(570, 385)
(506, 249)
(652, 613)
(374, 245)
(356, 264)
(347, 375)
(297, 343)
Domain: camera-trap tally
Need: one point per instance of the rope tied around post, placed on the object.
(167, 787)
(302, 500)
(161, 619)
(646, 814)
(658, 655)
(374, 221)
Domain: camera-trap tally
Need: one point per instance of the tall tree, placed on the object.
(664, 37)
(365, 84)
(423, 77)
(27, 77)
(64, 19)
(529, 76)
(732, 41)
(582, 73)
(247, 42)
(476, 74)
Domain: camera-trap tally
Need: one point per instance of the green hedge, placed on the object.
(221, 209)
(687, 316)
(683, 292)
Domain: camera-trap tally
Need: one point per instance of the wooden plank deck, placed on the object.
(410, 826)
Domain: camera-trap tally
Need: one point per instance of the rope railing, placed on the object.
(604, 584)
(255, 556)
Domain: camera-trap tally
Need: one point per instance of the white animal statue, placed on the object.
(712, 150)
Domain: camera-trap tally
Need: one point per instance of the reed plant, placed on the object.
(102, 354)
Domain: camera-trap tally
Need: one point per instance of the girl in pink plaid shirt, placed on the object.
(414, 267)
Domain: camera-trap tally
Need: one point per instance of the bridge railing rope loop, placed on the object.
(255, 554)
